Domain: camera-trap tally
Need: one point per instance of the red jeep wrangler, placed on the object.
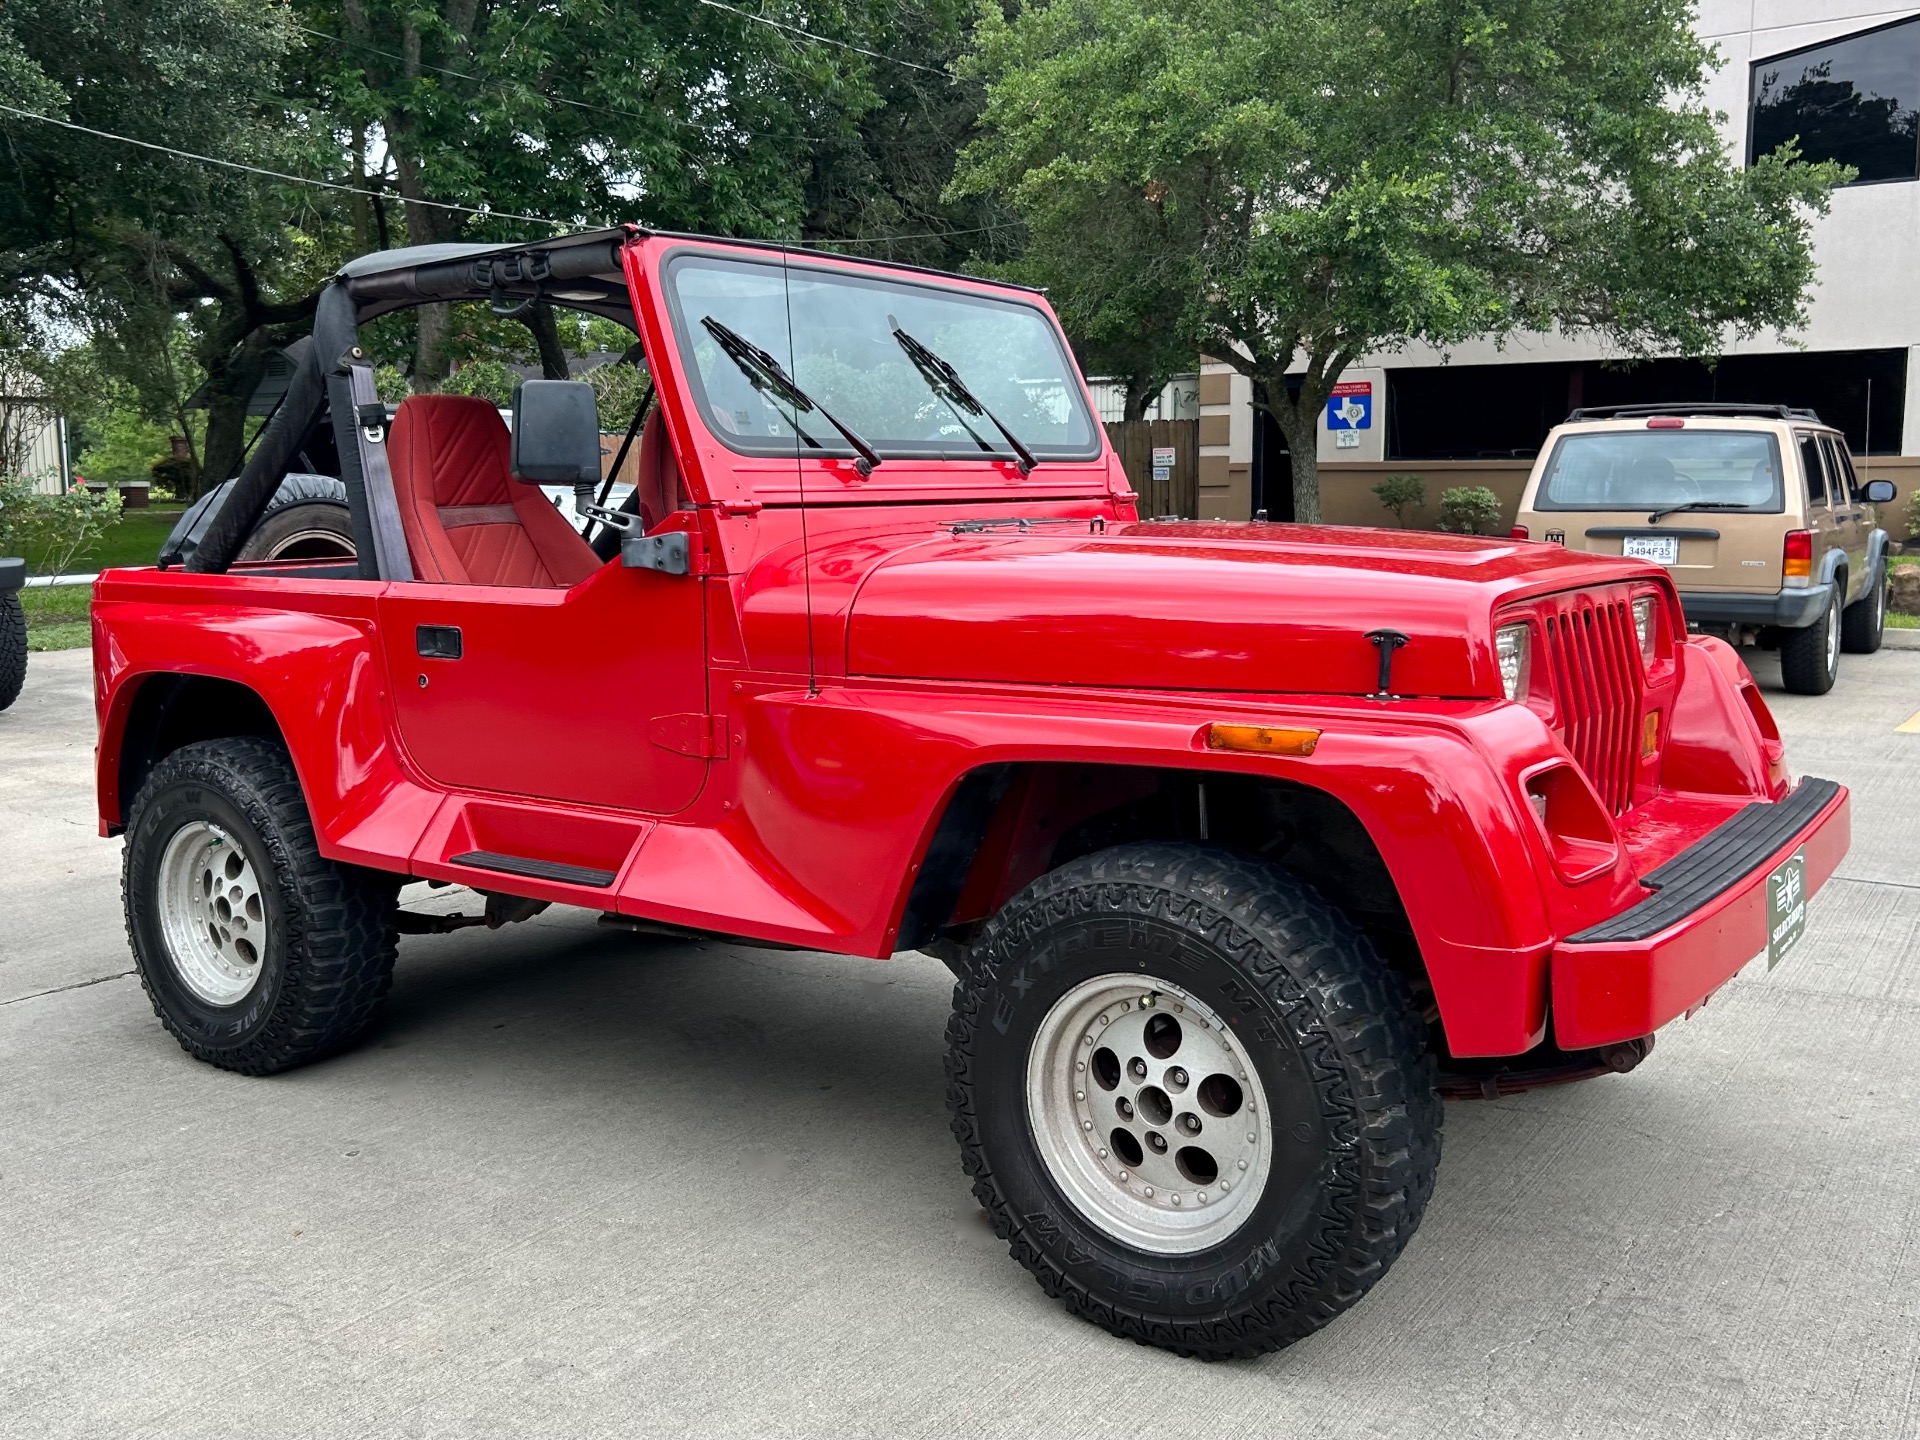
(1245, 842)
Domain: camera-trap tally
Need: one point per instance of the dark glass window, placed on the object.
(1469, 412)
(1855, 100)
(1814, 463)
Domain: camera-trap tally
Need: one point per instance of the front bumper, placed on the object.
(1789, 609)
(1707, 917)
(13, 575)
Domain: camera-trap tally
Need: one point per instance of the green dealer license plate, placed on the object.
(1786, 907)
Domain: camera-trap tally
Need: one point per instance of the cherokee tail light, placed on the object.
(1519, 532)
(1797, 555)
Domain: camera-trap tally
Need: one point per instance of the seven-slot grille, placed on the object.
(1594, 670)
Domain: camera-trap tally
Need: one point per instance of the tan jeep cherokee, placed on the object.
(1756, 510)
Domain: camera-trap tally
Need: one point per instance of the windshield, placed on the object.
(1638, 469)
(844, 355)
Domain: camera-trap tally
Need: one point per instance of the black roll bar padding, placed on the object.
(353, 473)
(477, 277)
(334, 331)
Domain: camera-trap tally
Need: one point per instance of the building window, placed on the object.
(1855, 100)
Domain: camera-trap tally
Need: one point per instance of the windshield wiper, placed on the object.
(763, 372)
(945, 382)
(1658, 515)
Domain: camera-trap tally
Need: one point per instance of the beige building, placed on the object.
(1843, 76)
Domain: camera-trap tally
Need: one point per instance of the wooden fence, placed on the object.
(1136, 440)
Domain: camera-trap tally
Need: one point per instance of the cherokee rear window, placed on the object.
(1635, 469)
(832, 332)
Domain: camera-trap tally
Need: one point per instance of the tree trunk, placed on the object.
(1297, 413)
(553, 355)
(1140, 394)
(232, 378)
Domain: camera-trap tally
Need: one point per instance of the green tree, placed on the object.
(135, 247)
(676, 114)
(1315, 180)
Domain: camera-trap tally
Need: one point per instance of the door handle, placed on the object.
(437, 642)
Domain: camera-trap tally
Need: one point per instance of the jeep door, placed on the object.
(1849, 512)
(582, 695)
(1828, 525)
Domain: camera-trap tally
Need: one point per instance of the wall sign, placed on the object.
(1350, 407)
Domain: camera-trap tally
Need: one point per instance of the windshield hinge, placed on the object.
(696, 734)
(731, 508)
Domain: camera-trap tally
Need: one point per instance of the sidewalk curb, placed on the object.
(1901, 639)
(33, 580)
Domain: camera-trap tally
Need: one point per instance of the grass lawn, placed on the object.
(133, 539)
(57, 616)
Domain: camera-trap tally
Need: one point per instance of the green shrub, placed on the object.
(1913, 514)
(1469, 509)
(1401, 493)
(172, 477)
(54, 532)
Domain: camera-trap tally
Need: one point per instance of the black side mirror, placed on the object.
(1879, 492)
(556, 433)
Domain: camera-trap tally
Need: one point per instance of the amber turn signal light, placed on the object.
(1797, 555)
(1262, 739)
(1649, 734)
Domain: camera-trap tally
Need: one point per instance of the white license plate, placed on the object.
(1661, 549)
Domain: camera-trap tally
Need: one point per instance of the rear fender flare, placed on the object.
(322, 681)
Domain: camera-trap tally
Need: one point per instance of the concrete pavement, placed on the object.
(582, 1184)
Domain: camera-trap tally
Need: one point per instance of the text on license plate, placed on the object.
(1661, 549)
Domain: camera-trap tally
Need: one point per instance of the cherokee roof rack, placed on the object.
(1691, 407)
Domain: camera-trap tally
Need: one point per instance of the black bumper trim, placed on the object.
(554, 870)
(1789, 609)
(1714, 864)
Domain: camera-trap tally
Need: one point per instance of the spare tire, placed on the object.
(307, 519)
(321, 528)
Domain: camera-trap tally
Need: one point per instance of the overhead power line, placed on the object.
(279, 174)
(826, 40)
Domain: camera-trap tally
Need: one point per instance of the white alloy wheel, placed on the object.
(212, 915)
(1148, 1114)
(1833, 635)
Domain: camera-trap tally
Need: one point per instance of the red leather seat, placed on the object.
(468, 522)
(657, 473)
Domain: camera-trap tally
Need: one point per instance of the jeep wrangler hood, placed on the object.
(1186, 606)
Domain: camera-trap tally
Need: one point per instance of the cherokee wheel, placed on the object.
(257, 952)
(1810, 657)
(1191, 1097)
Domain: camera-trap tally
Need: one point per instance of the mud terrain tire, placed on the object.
(13, 647)
(1338, 1054)
(324, 933)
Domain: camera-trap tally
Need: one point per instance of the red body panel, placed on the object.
(765, 747)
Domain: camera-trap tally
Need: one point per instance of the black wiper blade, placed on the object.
(763, 372)
(1658, 515)
(945, 382)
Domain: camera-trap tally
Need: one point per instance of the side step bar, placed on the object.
(553, 870)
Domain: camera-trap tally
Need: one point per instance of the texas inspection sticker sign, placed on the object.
(1786, 907)
(1350, 407)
